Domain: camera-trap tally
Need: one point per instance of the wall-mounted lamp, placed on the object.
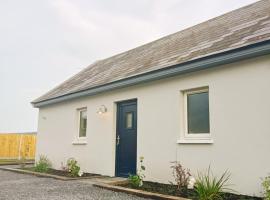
(102, 109)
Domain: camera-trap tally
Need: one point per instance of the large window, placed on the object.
(197, 112)
(82, 122)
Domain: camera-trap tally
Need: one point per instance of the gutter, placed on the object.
(250, 51)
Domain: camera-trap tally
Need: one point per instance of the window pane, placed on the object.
(83, 123)
(198, 112)
(129, 120)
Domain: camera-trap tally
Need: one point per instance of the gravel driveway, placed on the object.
(15, 186)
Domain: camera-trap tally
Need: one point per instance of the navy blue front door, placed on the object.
(126, 138)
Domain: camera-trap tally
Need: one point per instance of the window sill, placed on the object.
(77, 142)
(195, 141)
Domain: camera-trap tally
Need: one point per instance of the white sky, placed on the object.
(44, 42)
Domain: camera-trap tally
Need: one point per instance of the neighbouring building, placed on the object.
(199, 96)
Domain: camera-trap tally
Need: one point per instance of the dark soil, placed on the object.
(67, 174)
(62, 173)
(170, 189)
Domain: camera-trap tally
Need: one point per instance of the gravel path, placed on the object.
(16, 186)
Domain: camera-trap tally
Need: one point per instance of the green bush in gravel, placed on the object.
(73, 167)
(43, 164)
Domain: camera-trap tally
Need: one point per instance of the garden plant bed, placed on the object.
(169, 189)
(62, 173)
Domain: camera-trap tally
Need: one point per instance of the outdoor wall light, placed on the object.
(102, 109)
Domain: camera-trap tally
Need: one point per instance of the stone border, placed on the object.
(39, 174)
(16, 163)
(139, 193)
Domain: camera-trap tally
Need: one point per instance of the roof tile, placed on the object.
(242, 27)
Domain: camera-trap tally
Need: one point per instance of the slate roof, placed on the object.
(239, 28)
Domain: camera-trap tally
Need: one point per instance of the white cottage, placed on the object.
(199, 96)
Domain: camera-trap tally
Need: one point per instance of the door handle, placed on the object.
(118, 140)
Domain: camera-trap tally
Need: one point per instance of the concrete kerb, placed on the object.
(139, 193)
(63, 178)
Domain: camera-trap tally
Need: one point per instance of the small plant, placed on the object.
(266, 188)
(209, 187)
(73, 167)
(137, 180)
(134, 180)
(181, 175)
(64, 167)
(43, 164)
(22, 162)
(23, 156)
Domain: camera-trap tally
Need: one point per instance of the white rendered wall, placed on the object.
(239, 100)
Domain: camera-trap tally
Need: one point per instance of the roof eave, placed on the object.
(250, 51)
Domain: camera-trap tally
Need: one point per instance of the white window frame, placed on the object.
(78, 139)
(196, 137)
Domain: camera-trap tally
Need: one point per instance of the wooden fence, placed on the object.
(17, 146)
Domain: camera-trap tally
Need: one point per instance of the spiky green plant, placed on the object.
(210, 187)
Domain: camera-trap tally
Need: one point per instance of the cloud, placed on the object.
(72, 15)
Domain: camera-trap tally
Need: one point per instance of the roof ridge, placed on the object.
(186, 29)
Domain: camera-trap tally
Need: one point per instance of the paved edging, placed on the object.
(63, 178)
(139, 193)
(14, 163)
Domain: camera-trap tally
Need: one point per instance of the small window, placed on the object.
(129, 120)
(198, 112)
(82, 122)
(196, 115)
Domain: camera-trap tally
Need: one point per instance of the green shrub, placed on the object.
(43, 164)
(137, 180)
(73, 167)
(134, 180)
(266, 188)
(209, 187)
